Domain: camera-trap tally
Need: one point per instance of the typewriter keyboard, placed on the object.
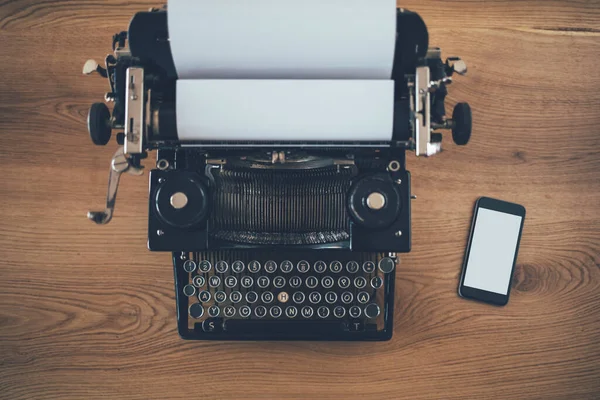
(253, 294)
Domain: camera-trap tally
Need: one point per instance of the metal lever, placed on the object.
(455, 64)
(92, 66)
(461, 125)
(118, 165)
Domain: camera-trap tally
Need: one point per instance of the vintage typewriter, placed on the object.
(273, 239)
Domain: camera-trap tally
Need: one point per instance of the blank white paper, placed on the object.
(283, 39)
(282, 110)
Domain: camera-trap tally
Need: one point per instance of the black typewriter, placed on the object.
(274, 239)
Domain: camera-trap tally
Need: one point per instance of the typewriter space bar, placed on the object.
(282, 327)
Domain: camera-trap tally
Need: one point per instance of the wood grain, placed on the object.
(88, 312)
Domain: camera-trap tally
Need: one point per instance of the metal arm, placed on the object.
(118, 165)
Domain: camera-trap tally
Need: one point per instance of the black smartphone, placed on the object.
(491, 254)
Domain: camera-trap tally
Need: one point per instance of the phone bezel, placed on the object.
(483, 295)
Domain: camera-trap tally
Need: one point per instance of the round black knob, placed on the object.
(386, 265)
(412, 42)
(99, 124)
(461, 131)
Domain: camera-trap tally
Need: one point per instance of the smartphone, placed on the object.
(492, 250)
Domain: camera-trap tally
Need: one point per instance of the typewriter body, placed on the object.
(278, 239)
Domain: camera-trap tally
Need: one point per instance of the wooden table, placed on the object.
(88, 312)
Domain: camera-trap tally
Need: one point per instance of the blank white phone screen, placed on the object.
(492, 251)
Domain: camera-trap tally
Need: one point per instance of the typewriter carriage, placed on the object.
(142, 87)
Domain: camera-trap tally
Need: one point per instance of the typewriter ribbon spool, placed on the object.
(181, 200)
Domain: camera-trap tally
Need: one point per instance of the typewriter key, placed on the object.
(267, 297)
(196, 310)
(355, 311)
(204, 296)
(275, 311)
(344, 282)
(360, 282)
(270, 267)
(303, 266)
(286, 266)
(237, 267)
(331, 297)
(221, 267)
(220, 296)
(347, 297)
(386, 265)
(376, 282)
(327, 282)
(235, 297)
(335, 267)
(260, 311)
(189, 290)
(320, 267)
(369, 267)
(362, 297)
(291, 312)
(307, 311)
(230, 281)
(279, 282)
(189, 266)
(312, 282)
(298, 297)
(251, 297)
(205, 266)
(295, 282)
(245, 311)
(372, 310)
(339, 312)
(198, 281)
(283, 297)
(254, 266)
(323, 312)
(247, 282)
(214, 311)
(262, 282)
(214, 281)
(229, 311)
(352, 267)
(314, 297)
(356, 326)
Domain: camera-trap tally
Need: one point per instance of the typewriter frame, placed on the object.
(142, 78)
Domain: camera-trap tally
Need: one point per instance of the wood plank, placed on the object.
(88, 312)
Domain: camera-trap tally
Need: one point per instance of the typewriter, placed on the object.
(290, 238)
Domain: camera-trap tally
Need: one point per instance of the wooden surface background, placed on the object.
(88, 312)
